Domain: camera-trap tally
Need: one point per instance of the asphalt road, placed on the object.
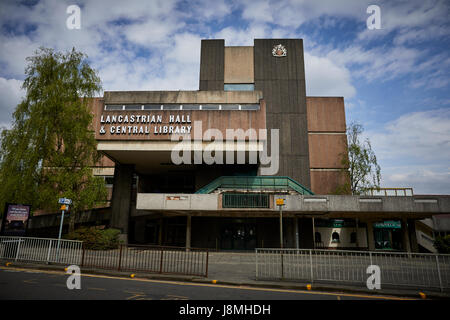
(18, 283)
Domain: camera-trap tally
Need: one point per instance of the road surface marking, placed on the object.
(174, 297)
(223, 286)
(31, 281)
(99, 289)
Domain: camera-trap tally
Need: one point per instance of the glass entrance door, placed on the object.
(383, 239)
(238, 236)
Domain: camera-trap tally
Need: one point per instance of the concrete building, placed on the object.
(167, 160)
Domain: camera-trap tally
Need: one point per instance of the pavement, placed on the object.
(238, 269)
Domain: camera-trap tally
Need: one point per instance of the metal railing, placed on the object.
(413, 270)
(389, 192)
(245, 200)
(144, 258)
(40, 250)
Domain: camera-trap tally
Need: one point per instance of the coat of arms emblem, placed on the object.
(279, 51)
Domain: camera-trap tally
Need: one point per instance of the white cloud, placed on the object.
(11, 94)
(325, 78)
(414, 151)
(422, 180)
(242, 36)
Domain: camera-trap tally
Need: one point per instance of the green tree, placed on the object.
(50, 149)
(442, 244)
(360, 164)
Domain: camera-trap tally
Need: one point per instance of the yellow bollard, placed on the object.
(422, 295)
(132, 275)
(214, 281)
(308, 286)
(8, 264)
(65, 269)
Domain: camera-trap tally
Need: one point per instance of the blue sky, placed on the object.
(395, 81)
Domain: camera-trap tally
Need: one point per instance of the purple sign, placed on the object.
(15, 219)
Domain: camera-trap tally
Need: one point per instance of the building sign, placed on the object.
(333, 223)
(15, 219)
(388, 225)
(145, 124)
(176, 198)
(279, 51)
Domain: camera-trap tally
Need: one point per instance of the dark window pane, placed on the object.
(133, 107)
(191, 106)
(250, 107)
(210, 107)
(113, 107)
(171, 107)
(230, 107)
(152, 107)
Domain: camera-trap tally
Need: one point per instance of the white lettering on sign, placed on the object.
(139, 124)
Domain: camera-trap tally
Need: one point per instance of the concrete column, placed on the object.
(313, 233)
(357, 231)
(413, 235)
(188, 232)
(306, 240)
(296, 232)
(405, 236)
(161, 220)
(370, 236)
(121, 199)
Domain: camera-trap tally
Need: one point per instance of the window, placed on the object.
(335, 237)
(171, 107)
(133, 107)
(112, 107)
(353, 237)
(245, 200)
(210, 107)
(191, 107)
(152, 107)
(109, 181)
(250, 107)
(239, 87)
(230, 107)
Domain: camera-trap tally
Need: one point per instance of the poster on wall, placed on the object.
(15, 219)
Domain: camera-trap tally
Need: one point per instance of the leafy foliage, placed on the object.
(50, 149)
(363, 168)
(96, 239)
(442, 244)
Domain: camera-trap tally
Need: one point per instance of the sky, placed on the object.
(395, 80)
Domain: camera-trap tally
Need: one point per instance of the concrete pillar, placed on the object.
(370, 236)
(121, 199)
(405, 236)
(413, 235)
(161, 220)
(313, 233)
(290, 233)
(188, 232)
(306, 240)
(357, 231)
(296, 232)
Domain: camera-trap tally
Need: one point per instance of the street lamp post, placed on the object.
(280, 203)
(64, 205)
